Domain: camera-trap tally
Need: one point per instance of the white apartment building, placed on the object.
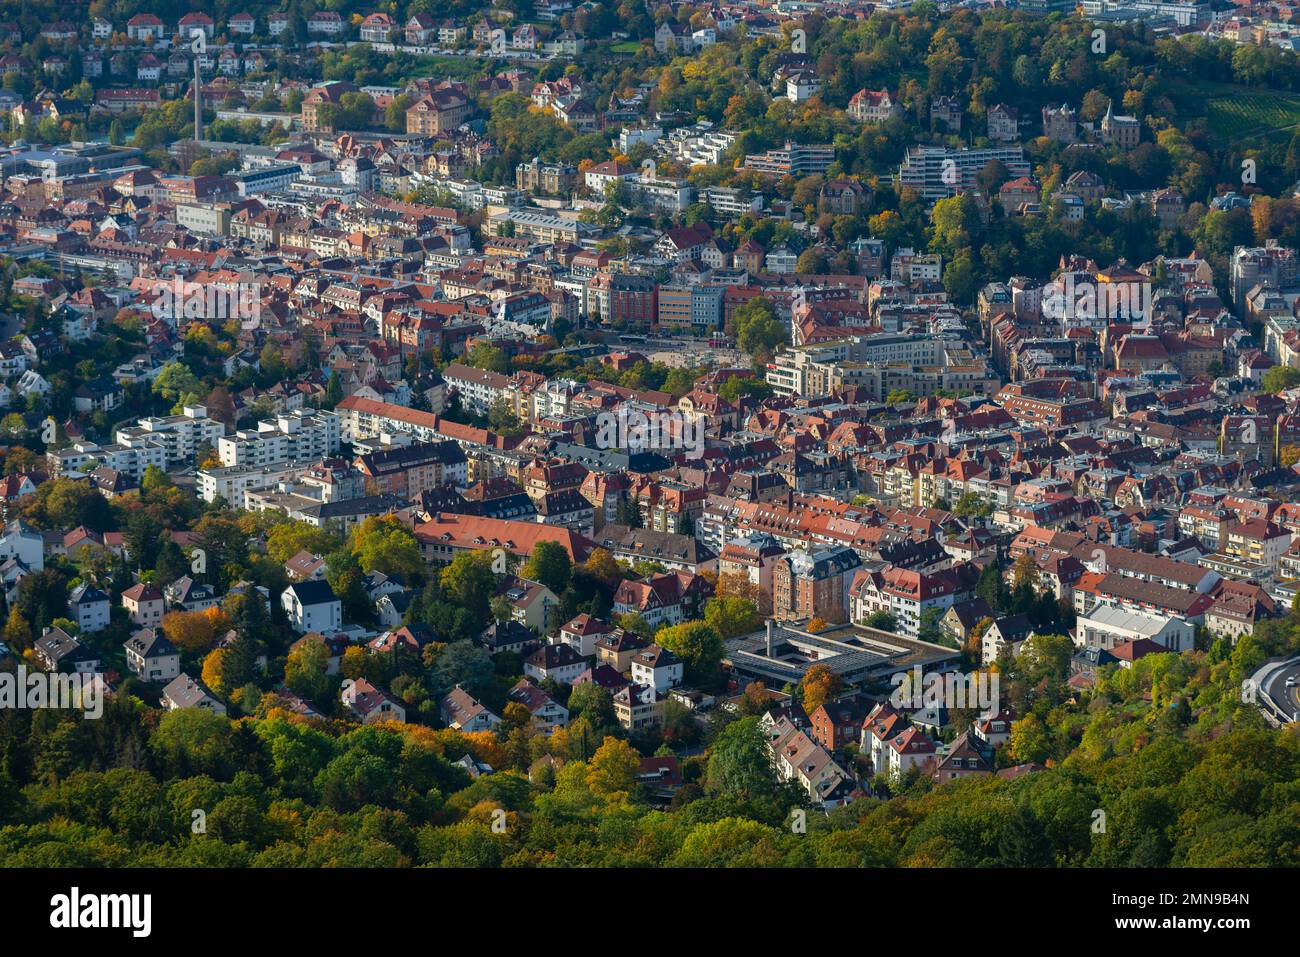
(936, 172)
(478, 389)
(230, 483)
(86, 456)
(698, 145)
(630, 136)
(466, 192)
(790, 372)
(298, 436)
(664, 195)
(731, 202)
(902, 592)
(180, 435)
(1106, 626)
(553, 397)
(364, 419)
(925, 268)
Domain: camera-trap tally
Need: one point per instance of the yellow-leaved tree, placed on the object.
(613, 768)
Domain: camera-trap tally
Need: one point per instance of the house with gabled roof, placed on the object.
(548, 712)
(1127, 653)
(19, 540)
(377, 28)
(638, 707)
(560, 663)
(662, 599)
(463, 712)
(686, 242)
(312, 606)
(604, 676)
(186, 594)
(294, 703)
(1003, 123)
(618, 647)
(420, 29)
(660, 775)
(56, 650)
(874, 106)
(82, 537)
(532, 604)
(304, 566)
(798, 758)
(326, 22)
(145, 26)
(880, 726)
(12, 572)
(408, 639)
(994, 730)
(965, 757)
(186, 692)
(910, 748)
(959, 621)
(835, 724)
(369, 704)
(657, 667)
(1005, 635)
(510, 635)
(446, 534)
(190, 22)
(144, 603)
(583, 632)
(151, 656)
(673, 551)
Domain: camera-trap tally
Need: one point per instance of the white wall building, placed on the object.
(657, 667)
(311, 606)
(180, 435)
(19, 540)
(230, 483)
(298, 436)
(1106, 626)
(90, 608)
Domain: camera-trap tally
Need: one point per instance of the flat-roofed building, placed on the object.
(297, 436)
(1106, 626)
(180, 435)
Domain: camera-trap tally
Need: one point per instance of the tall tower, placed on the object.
(198, 103)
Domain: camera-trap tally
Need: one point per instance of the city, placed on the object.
(550, 434)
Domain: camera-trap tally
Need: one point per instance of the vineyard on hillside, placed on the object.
(1239, 117)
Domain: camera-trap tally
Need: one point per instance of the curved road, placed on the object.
(1286, 698)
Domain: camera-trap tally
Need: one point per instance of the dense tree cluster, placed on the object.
(1147, 746)
(277, 791)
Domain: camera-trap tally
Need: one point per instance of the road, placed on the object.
(1288, 699)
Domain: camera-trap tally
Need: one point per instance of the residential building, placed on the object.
(312, 607)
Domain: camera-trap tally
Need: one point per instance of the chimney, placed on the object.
(771, 633)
